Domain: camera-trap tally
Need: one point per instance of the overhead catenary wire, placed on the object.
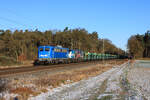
(16, 22)
(12, 21)
(22, 16)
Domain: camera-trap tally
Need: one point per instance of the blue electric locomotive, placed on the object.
(54, 54)
(58, 54)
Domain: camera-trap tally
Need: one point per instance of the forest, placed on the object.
(139, 45)
(22, 44)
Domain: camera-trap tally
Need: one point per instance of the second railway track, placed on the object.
(21, 70)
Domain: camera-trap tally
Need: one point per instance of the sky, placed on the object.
(115, 20)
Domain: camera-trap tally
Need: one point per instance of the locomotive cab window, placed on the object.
(46, 49)
(64, 50)
(57, 50)
(41, 49)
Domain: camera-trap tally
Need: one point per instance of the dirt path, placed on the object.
(105, 85)
(111, 85)
(24, 86)
(139, 78)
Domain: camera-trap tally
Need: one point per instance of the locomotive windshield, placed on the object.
(46, 49)
(41, 49)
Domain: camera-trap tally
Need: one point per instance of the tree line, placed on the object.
(21, 43)
(139, 45)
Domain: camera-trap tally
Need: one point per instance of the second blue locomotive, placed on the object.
(57, 54)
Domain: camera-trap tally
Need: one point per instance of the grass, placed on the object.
(143, 59)
(41, 84)
(109, 97)
(76, 75)
(25, 92)
(103, 86)
(2, 98)
(7, 61)
(56, 80)
(101, 90)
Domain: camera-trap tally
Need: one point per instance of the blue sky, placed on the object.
(117, 20)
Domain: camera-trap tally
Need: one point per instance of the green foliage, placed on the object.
(18, 43)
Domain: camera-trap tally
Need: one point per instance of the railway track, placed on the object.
(21, 70)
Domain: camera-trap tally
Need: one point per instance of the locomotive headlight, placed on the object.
(44, 55)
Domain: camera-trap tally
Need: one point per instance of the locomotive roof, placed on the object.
(53, 46)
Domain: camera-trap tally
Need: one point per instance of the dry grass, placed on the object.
(25, 92)
(72, 76)
(143, 59)
(16, 64)
(2, 98)
(56, 80)
(22, 88)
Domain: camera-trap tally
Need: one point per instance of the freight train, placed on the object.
(58, 54)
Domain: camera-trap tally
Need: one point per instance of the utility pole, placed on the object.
(103, 48)
(118, 51)
(71, 43)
